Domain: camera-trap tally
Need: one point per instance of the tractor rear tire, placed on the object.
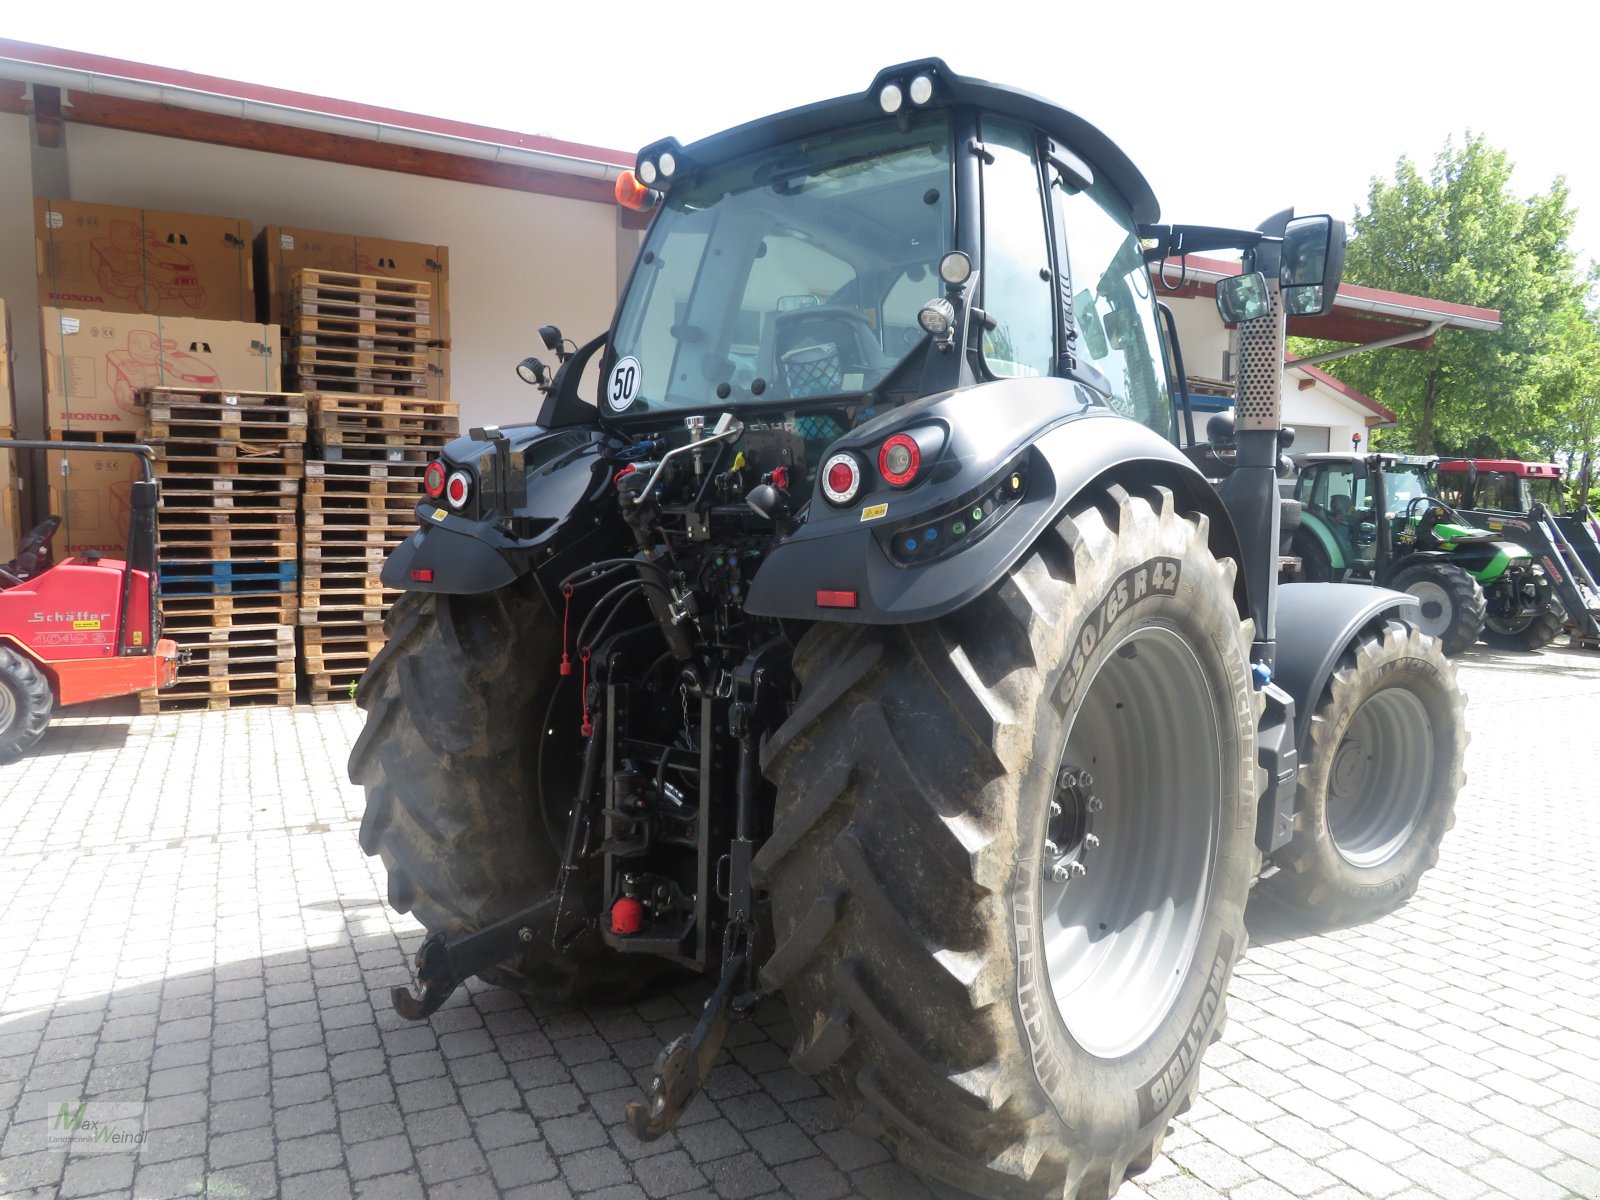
(1526, 633)
(1453, 608)
(1378, 782)
(25, 704)
(449, 758)
(1017, 1016)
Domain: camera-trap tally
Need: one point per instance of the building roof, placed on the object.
(1360, 314)
(1383, 415)
(96, 90)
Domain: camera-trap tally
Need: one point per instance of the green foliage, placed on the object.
(1458, 234)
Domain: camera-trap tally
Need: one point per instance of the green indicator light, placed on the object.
(977, 514)
(958, 528)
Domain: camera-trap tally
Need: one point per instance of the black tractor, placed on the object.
(865, 638)
(1375, 519)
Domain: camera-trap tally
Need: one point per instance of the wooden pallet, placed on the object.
(403, 357)
(95, 437)
(225, 610)
(265, 417)
(331, 409)
(192, 471)
(332, 687)
(229, 491)
(330, 282)
(328, 333)
(176, 699)
(210, 578)
(398, 472)
(329, 609)
(363, 380)
(418, 456)
(315, 556)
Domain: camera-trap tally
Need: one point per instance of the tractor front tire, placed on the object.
(1526, 633)
(25, 704)
(1451, 604)
(456, 703)
(1378, 782)
(1011, 853)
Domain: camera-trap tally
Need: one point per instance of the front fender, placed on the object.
(1316, 621)
(1070, 446)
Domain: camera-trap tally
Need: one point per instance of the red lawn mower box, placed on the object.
(281, 251)
(96, 362)
(92, 494)
(143, 260)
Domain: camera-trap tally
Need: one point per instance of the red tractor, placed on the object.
(85, 628)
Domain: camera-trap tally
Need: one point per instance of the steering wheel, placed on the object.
(863, 349)
(35, 544)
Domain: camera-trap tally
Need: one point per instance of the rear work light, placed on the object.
(456, 489)
(433, 479)
(841, 478)
(899, 459)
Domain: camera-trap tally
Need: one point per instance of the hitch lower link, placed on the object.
(684, 1064)
(443, 965)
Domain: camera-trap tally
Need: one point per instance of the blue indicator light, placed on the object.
(911, 545)
(932, 535)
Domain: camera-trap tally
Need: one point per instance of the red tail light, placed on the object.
(456, 489)
(899, 460)
(841, 478)
(433, 479)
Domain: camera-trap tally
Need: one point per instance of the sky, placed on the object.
(1233, 111)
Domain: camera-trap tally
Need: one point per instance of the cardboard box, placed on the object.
(10, 507)
(96, 361)
(280, 251)
(8, 385)
(92, 494)
(438, 374)
(143, 260)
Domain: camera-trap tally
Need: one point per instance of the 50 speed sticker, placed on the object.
(622, 387)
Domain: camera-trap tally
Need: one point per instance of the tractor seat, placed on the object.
(33, 554)
(1339, 519)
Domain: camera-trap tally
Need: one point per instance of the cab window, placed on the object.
(1016, 256)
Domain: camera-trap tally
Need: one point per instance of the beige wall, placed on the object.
(517, 260)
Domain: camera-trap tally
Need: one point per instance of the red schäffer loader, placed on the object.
(85, 628)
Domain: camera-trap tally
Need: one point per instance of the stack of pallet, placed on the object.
(230, 466)
(360, 342)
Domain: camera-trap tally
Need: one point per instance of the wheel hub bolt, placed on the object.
(1085, 779)
(1059, 873)
(1077, 869)
(525, 934)
(1090, 841)
(1067, 779)
(1055, 808)
(1051, 849)
(1094, 804)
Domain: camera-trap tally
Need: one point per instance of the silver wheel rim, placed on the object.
(8, 707)
(1433, 617)
(1379, 781)
(1120, 932)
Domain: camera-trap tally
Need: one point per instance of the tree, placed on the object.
(1460, 235)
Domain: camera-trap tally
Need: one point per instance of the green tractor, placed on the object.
(1376, 519)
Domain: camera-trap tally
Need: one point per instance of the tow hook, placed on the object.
(443, 965)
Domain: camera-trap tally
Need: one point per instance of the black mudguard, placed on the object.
(561, 508)
(1058, 432)
(1316, 621)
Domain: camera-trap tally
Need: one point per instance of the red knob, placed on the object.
(627, 915)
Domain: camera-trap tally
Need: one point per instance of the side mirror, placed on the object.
(1312, 265)
(1243, 297)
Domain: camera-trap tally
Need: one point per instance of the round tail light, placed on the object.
(456, 489)
(841, 478)
(899, 459)
(433, 479)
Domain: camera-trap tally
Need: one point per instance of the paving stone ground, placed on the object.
(187, 922)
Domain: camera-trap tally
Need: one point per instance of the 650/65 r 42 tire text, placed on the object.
(456, 703)
(1011, 854)
(1378, 781)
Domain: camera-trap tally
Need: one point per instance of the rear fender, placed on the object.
(1059, 438)
(558, 488)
